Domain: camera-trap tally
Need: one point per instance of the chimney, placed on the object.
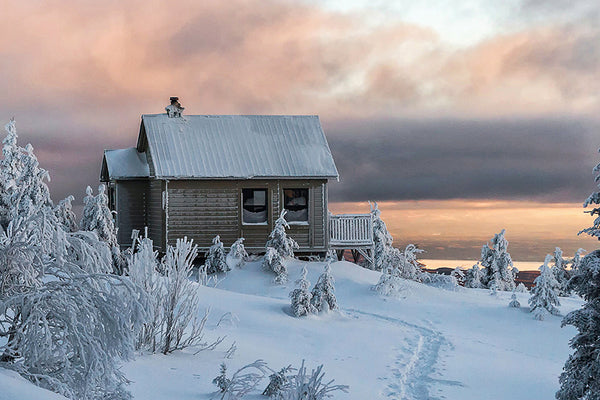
(174, 109)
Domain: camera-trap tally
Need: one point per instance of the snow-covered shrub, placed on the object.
(543, 296)
(71, 333)
(275, 263)
(279, 383)
(513, 301)
(237, 255)
(243, 381)
(279, 240)
(65, 215)
(323, 293)
(446, 282)
(215, 259)
(390, 283)
(301, 297)
(521, 288)
(304, 386)
(180, 324)
(474, 277)
(497, 264)
(86, 250)
(579, 379)
(381, 238)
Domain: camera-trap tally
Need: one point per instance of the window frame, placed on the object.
(266, 190)
(308, 211)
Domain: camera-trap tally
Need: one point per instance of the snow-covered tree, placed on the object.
(561, 274)
(390, 283)
(237, 255)
(497, 264)
(543, 296)
(521, 288)
(23, 188)
(216, 260)
(301, 297)
(273, 261)
(594, 198)
(98, 218)
(65, 215)
(279, 240)
(575, 262)
(513, 301)
(474, 277)
(579, 379)
(382, 239)
(459, 275)
(323, 293)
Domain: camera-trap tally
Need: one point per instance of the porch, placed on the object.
(352, 232)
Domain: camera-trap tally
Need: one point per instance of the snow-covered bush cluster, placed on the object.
(283, 385)
(68, 323)
(321, 298)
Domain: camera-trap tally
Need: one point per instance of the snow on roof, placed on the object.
(237, 146)
(126, 163)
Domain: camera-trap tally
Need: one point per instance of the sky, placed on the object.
(460, 118)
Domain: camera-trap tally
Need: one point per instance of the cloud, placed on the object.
(402, 159)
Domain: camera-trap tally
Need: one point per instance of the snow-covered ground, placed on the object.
(427, 344)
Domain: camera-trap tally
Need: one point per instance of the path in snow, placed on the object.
(415, 362)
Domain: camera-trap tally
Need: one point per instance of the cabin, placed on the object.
(229, 175)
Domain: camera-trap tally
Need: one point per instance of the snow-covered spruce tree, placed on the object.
(237, 255)
(382, 239)
(575, 262)
(98, 218)
(215, 259)
(143, 273)
(273, 261)
(65, 215)
(561, 274)
(497, 264)
(301, 297)
(279, 240)
(459, 275)
(579, 379)
(323, 293)
(180, 325)
(279, 383)
(594, 198)
(23, 189)
(474, 277)
(513, 301)
(543, 296)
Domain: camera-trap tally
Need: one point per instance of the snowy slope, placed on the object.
(427, 344)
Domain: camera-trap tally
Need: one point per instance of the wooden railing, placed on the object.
(350, 230)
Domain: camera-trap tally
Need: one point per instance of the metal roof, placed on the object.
(126, 163)
(236, 146)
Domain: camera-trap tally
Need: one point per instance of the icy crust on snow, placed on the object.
(238, 146)
(427, 343)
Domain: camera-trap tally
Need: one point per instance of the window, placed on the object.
(295, 201)
(254, 209)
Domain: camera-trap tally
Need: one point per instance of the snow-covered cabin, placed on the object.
(229, 175)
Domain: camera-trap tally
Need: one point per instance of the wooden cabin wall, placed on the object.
(202, 209)
(156, 213)
(131, 197)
